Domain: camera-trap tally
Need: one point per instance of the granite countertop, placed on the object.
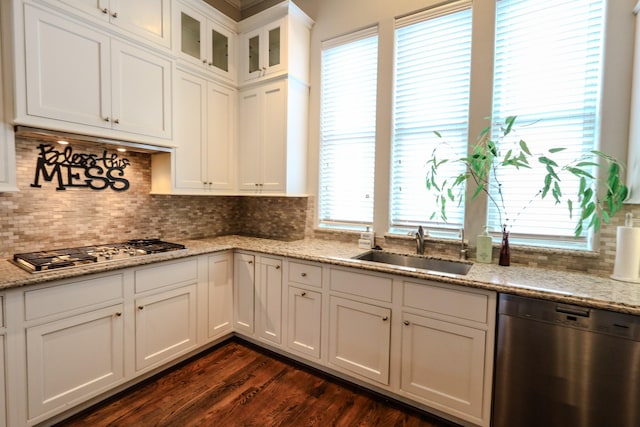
(570, 288)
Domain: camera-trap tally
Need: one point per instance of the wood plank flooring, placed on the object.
(238, 384)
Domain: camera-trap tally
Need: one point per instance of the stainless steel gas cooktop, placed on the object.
(70, 257)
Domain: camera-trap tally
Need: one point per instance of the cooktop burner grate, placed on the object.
(70, 257)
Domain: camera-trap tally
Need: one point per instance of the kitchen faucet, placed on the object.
(420, 241)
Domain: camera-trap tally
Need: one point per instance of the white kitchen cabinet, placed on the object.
(206, 39)
(269, 300)
(205, 134)
(165, 325)
(360, 338)
(244, 275)
(149, 19)
(272, 138)
(443, 363)
(447, 349)
(304, 321)
(73, 358)
(7, 138)
(78, 79)
(220, 295)
(274, 43)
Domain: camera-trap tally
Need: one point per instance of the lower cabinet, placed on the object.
(269, 300)
(74, 357)
(304, 321)
(443, 363)
(165, 325)
(360, 338)
(219, 295)
(244, 275)
(257, 298)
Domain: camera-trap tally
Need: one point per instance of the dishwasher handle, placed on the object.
(573, 310)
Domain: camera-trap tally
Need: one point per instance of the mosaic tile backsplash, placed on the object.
(44, 218)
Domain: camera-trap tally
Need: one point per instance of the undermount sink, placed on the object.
(431, 264)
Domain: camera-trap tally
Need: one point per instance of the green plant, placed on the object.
(599, 196)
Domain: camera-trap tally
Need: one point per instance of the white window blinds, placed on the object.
(432, 77)
(348, 129)
(547, 73)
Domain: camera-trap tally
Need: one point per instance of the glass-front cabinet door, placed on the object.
(202, 41)
(264, 50)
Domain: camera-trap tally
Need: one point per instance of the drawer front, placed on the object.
(155, 277)
(305, 274)
(363, 285)
(71, 296)
(450, 302)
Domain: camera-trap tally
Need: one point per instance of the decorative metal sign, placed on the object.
(80, 169)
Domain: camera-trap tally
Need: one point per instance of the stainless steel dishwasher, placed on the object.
(566, 366)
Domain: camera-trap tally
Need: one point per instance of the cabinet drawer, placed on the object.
(451, 302)
(165, 275)
(364, 285)
(66, 297)
(305, 274)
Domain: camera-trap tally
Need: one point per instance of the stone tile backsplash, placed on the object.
(45, 218)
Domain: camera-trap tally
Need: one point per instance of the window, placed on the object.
(547, 72)
(432, 78)
(348, 130)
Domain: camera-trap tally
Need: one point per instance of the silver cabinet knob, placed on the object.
(105, 10)
(118, 314)
(114, 14)
(141, 307)
(277, 267)
(303, 274)
(116, 121)
(385, 318)
(250, 262)
(107, 119)
(303, 294)
(406, 322)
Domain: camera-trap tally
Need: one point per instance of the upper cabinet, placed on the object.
(75, 78)
(149, 19)
(7, 143)
(206, 40)
(275, 43)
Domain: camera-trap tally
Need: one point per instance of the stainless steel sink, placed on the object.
(431, 264)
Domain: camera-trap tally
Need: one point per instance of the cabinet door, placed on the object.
(141, 95)
(150, 19)
(189, 34)
(275, 137)
(262, 153)
(165, 325)
(243, 292)
(220, 320)
(359, 338)
(221, 47)
(269, 300)
(96, 8)
(443, 363)
(304, 317)
(264, 50)
(190, 131)
(221, 136)
(73, 359)
(67, 70)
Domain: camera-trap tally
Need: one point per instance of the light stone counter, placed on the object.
(570, 288)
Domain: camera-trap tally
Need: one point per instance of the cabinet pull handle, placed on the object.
(141, 307)
(114, 14)
(277, 267)
(105, 10)
(385, 318)
(303, 294)
(303, 274)
(250, 262)
(107, 119)
(116, 121)
(118, 314)
(204, 61)
(406, 322)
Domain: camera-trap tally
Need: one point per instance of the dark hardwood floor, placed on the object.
(238, 384)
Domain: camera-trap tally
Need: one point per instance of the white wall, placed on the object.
(337, 17)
